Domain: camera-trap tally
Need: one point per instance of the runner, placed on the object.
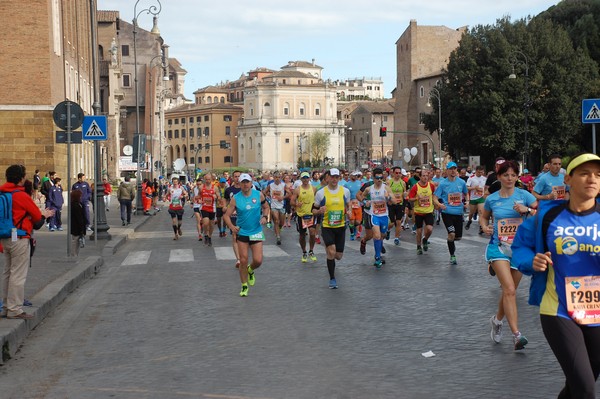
(230, 191)
(196, 205)
(366, 222)
(353, 185)
(421, 194)
(287, 203)
(333, 202)
(208, 198)
(303, 199)
(453, 191)
(507, 207)
(398, 188)
(551, 185)
(176, 195)
(220, 188)
(437, 178)
(248, 232)
(476, 187)
(377, 197)
(559, 246)
(277, 192)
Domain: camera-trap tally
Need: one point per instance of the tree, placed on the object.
(318, 143)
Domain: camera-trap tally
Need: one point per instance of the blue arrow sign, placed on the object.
(590, 110)
(94, 128)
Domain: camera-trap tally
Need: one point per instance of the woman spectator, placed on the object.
(77, 223)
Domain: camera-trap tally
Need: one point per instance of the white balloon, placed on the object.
(406, 158)
(406, 152)
(413, 151)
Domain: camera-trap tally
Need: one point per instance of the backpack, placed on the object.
(6, 216)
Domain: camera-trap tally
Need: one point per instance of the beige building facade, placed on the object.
(422, 53)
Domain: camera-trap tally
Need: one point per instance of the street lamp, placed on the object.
(519, 58)
(154, 10)
(435, 93)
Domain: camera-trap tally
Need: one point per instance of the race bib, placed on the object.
(355, 204)
(334, 218)
(207, 201)
(478, 193)
(176, 201)
(257, 237)
(277, 195)
(583, 299)
(507, 229)
(307, 221)
(560, 191)
(455, 199)
(378, 207)
(398, 196)
(424, 201)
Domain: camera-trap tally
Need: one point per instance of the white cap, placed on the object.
(334, 172)
(356, 173)
(245, 176)
(403, 171)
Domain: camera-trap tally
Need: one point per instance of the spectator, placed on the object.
(125, 196)
(26, 216)
(86, 195)
(107, 193)
(78, 226)
(56, 204)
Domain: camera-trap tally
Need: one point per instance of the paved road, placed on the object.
(163, 319)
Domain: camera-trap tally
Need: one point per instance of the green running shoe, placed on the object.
(244, 291)
(312, 256)
(304, 258)
(453, 260)
(251, 278)
(425, 245)
(419, 251)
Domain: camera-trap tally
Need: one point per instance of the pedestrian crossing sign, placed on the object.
(94, 127)
(590, 110)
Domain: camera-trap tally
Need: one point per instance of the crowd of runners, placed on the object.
(557, 247)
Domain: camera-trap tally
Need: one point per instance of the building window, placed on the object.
(126, 80)
(206, 131)
(182, 133)
(421, 118)
(317, 112)
(191, 147)
(283, 81)
(227, 159)
(222, 100)
(227, 130)
(192, 133)
(125, 50)
(191, 119)
(170, 122)
(176, 121)
(205, 118)
(286, 109)
(206, 159)
(287, 141)
(199, 160)
(250, 143)
(385, 118)
(227, 118)
(198, 119)
(176, 133)
(301, 110)
(170, 134)
(422, 92)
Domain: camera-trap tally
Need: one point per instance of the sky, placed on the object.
(216, 41)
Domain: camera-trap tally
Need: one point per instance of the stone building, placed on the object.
(46, 59)
(422, 53)
(360, 89)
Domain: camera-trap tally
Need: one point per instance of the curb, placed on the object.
(14, 332)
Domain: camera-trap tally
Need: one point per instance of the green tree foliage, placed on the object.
(484, 111)
(318, 145)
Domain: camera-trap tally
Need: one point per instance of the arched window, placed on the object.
(267, 108)
(206, 159)
(286, 109)
(192, 133)
(301, 109)
(422, 92)
(222, 100)
(318, 109)
(209, 100)
(251, 105)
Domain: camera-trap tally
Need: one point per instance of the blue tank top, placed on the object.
(248, 213)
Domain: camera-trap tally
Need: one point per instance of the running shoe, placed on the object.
(244, 291)
(237, 264)
(496, 332)
(453, 260)
(414, 229)
(520, 341)
(179, 231)
(333, 284)
(396, 241)
(357, 236)
(419, 251)
(377, 263)
(209, 243)
(251, 278)
(304, 258)
(383, 249)
(318, 240)
(475, 216)
(425, 245)
(352, 237)
(278, 240)
(468, 225)
(312, 256)
(387, 235)
(363, 247)
(200, 237)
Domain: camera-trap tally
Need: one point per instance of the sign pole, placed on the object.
(69, 179)
(594, 138)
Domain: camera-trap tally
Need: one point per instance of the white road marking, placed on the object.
(136, 258)
(181, 255)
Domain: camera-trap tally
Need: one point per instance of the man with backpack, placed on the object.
(19, 215)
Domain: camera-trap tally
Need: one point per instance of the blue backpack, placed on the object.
(6, 216)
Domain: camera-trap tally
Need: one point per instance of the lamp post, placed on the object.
(519, 58)
(154, 10)
(164, 78)
(435, 93)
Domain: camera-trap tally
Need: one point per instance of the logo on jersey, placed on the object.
(567, 244)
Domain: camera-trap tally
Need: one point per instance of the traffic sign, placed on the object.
(62, 111)
(94, 127)
(590, 110)
(61, 137)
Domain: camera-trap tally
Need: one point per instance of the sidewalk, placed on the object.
(53, 275)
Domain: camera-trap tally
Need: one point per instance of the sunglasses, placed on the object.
(379, 177)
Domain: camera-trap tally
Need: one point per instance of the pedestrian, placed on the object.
(86, 195)
(78, 229)
(333, 203)
(47, 183)
(455, 196)
(559, 247)
(125, 196)
(15, 241)
(56, 204)
(107, 193)
(507, 208)
(247, 204)
(37, 182)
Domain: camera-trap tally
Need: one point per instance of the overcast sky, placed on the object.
(220, 40)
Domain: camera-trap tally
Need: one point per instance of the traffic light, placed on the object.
(382, 131)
